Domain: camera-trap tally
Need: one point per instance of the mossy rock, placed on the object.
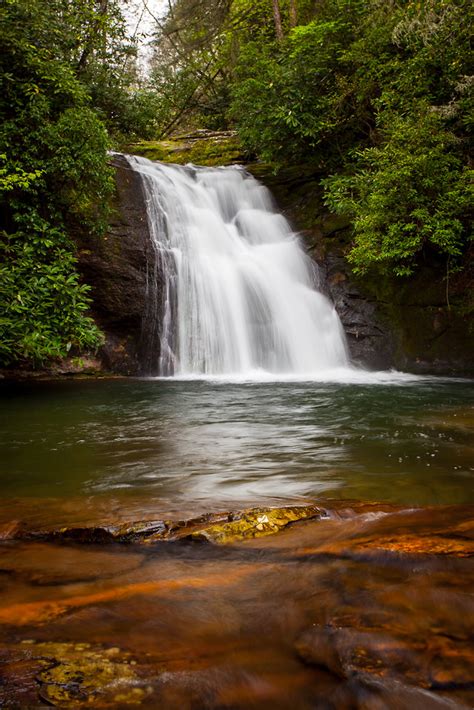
(220, 528)
(208, 149)
(257, 522)
(80, 675)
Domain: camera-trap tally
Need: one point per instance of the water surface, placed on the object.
(167, 445)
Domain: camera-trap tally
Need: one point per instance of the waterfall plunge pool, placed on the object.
(135, 447)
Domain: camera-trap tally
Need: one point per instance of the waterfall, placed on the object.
(237, 294)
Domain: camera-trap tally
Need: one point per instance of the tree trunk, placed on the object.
(93, 34)
(277, 20)
(293, 14)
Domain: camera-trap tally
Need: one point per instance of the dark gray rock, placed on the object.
(370, 342)
(119, 268)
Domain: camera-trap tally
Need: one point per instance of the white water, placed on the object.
(240, 296)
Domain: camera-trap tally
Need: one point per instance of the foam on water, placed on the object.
(343, 375)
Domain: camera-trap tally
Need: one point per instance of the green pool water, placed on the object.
(197, 444)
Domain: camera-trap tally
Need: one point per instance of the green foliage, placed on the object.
(285, 102)
(54, 180)
(43, 303)
(380, 95)
(409, 195)
(13, 176)
(292, 101)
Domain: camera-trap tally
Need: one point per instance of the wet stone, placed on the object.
(422, 545)
(436, 665)
(94, 535)
(255, 523)
(18, 684)
(346, 652)
(219, 528)
(135, 532)
(10, 529)
(69, 675)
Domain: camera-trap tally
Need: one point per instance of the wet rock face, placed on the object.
(370, 340)
(402, 323)
(118, 268)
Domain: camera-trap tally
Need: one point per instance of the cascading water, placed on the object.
(239, 296)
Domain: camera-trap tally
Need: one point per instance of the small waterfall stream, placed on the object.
(238, 295)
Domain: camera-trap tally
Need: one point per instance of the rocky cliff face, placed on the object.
(119, 267)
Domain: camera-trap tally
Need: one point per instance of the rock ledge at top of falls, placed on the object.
(201, 147)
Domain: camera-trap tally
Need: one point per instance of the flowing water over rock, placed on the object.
(239, 296)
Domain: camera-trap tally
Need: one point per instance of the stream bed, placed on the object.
(366, 604)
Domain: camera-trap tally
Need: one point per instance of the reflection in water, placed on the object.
(196, 444)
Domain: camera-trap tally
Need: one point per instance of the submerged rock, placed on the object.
(194, 626)
(220, 528)
(437, 663)
(345, 651)
(69, 675)
(412, 544)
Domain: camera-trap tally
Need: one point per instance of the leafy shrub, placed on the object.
(410, 194)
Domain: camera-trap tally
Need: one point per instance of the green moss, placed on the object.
(210, 151)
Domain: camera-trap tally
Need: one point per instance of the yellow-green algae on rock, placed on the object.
(79, 675)
(255, 523)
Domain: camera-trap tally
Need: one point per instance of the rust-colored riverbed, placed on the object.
(361, 606)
